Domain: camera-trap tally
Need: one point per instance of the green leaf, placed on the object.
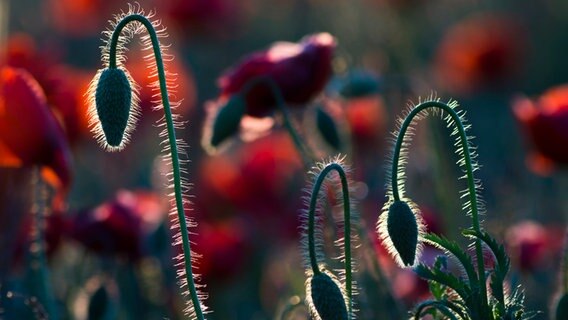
(503, 264)
(447, 279)
(451, 247)
(446, 307)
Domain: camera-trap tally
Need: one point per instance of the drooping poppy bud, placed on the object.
(113, 109)
(327, 128)
(400, 227)
(325, 298)
(227, 120)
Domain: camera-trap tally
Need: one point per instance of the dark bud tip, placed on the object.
(113, 98)
(326, 126)
(228, 119)
(403, 231)
(327, 298)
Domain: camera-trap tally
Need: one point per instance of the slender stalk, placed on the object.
(38, 261)
(468, 163)
(347, 225)
(172, 141)
(305, 152)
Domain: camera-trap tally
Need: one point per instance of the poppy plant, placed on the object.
(29, 131)
(544, 122)
(299, 70)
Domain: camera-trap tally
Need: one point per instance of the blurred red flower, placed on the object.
(479, 52)
(120, 226)
(224, 250)
(263, 180)
(533, 246)
(545, 123)
(29, 131)
(209, 17)
(63, 86)
(80, 17)
(367, 120)
(300, 70)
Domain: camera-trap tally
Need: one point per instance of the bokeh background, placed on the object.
(496, 58)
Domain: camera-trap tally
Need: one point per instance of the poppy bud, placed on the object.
(400, 227)
(326, 126)
(325, 298)
(113, 99)
(227, 120)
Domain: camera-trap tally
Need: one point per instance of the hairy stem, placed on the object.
(172, 141)
(347, 225)
(468, 163)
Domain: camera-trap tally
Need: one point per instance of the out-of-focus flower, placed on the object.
(360, 102)
(300, 70)
(533, 246)
(63, 86)
(80, 17)
(28, 128)
(120, 226)
(258, 181)
(478, 53)
(15, 199)
(545, 122)
(224, 250)
(202, 17)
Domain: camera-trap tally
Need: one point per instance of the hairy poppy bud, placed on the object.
(399, 227)
(403, 231)
(113, 98)
(325, 298)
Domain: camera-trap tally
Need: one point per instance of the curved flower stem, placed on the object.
(347, 226)
(467, 160)
(305, 152)
(172, 141)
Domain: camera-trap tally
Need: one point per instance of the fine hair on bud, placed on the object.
(113, 99)
(324, 297)
(401, 227)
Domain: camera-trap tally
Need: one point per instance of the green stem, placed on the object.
(468, 163)
(38, 261)
(347, 225)
(172, 141)
(306, 154)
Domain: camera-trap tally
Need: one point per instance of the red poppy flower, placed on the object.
(80, 17)
(120, 226)
(300, 70)
(479, 52)
(224, 250)
(211, 17)
(28, 128)
(258, 181)
(533, 246)
(64, 86)
(545, 122)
